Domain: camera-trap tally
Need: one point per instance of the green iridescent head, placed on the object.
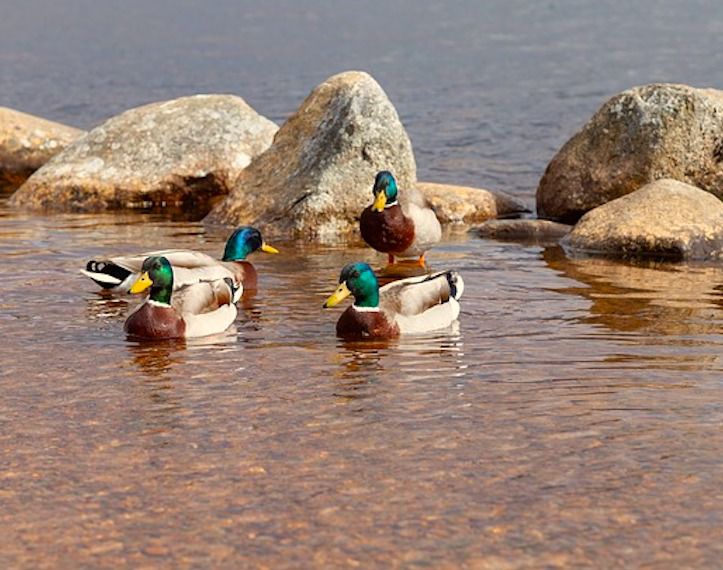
(359, 280)
(157, 274)
(385, 190)
(243, 241)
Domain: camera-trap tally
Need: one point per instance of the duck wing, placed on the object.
(412, 196)
(421, 304)
(206, 307)
(186, 258)
(427, 229)
(119, 273)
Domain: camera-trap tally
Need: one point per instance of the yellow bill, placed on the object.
(341, 293)
(268, 248)
(141, 284)
(380, 200)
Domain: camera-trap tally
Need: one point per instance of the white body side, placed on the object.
(438, 317)
(210, 323)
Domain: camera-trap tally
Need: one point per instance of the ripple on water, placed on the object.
(582, 392)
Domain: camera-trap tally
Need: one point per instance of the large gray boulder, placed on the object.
(182, 152)
(665, 218)
(640, 135)
(317, 177)
(26, 143)
(465, 205)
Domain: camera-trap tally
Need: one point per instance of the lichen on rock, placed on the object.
(664, 219)
(638, 136)
(26, 143)
(317, 176)
(181, 152)
(465, 205)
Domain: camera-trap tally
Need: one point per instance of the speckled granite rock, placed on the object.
(539, 231)
(182, 152)
(464, 205)
(643, 134)
(26, 143)
(666, 218)
(317, 177)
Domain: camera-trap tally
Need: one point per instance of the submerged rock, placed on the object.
(665, 218)
(538, 231)
(640, 135)
(317, 177)
(465, 205)
(182, 152)
(26, 143)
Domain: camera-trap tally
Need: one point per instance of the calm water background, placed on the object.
(572, 419)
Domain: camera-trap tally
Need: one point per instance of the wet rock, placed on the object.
(640, 135)
(538, 231)
(26, 143)
(465, 205)
(318, 175)
(666, 218)
(182, 152)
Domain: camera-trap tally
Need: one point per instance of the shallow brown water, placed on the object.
(572, 419)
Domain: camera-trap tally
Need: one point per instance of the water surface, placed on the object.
(571, 419)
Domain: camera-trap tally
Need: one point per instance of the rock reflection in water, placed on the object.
(654, 297)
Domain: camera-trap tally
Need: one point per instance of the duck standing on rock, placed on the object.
(413, 305)
(117, 274)
(193, 310)
(400, 225)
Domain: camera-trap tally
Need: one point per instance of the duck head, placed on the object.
(243, 241)
(385, 191)
(157, 274)
(359, 280)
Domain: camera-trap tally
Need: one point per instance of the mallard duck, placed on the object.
(192, 310)
(117, 274)
(413, 305)
(400, 225)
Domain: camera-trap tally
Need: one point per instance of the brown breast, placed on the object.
(152, 321)
(248, 276)
(365, 324)
(389, 231)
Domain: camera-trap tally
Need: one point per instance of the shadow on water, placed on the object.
(645, 296)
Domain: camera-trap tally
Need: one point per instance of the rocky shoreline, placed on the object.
(642, 178)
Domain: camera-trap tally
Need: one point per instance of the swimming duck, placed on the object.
(192, 310)
(400, 225)
(117, 274)
(413, 305)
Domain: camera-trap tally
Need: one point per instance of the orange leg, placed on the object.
(390, 259)
(422, 263)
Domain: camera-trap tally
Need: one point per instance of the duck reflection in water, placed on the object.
(156, 359)
(360, 368)
(366, 364)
